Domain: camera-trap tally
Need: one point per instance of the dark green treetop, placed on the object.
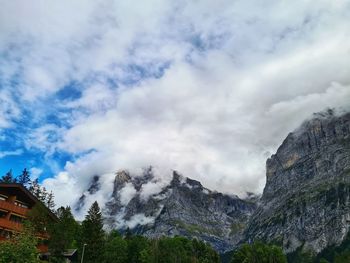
(8, 178)
(93, 235)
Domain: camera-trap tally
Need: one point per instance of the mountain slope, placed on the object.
(192, 211)
(306, 200)
(149, 206)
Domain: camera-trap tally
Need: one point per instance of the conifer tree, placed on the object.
(63, 233)
(8, 178)
(35, 188)
(50, 203)
(24, 177)
(93, 235)
(39, 218)
(43, 195)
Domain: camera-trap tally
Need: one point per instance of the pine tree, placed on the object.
(63, 234)
(35, 188)
(24, 177)
(128, 234)
(43, 195)
(93, 235)
(39, 218)
(50, 203)
(8, 178)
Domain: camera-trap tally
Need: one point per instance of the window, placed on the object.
(3, 214)
(20, 204)
(16, 219)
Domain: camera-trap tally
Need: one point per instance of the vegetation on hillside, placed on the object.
(259, 252)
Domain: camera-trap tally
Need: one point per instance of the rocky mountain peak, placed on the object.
(94, 185)
(305, 202)
(178, 180)
(122, 177)
(155, 206)
(326, 132)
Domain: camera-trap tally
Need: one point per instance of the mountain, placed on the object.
(306, 200)
(305, 204)
(147, 206)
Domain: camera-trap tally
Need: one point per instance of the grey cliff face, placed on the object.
(193, 211)
(306, 200)
(93, 188)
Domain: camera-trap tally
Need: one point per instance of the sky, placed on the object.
(207, 88)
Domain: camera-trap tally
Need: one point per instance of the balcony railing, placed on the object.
(43, 248)
(13, 208)
(18, 227)
(10, 225)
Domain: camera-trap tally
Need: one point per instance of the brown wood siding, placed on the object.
(7, 224)
(4, 205)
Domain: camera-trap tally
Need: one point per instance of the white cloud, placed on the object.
(138, 219)
(64, 187)
(155, 186)
(9, 110)
(95, 98)
(35, 173)
(43, 138)
(127, 193)
(238, 76)
(9, 153)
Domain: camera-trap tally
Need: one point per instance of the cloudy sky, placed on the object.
(207, 88)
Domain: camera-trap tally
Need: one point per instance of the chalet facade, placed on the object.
(15, 203)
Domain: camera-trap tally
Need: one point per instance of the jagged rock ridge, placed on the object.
(180, 207)
(306, 200)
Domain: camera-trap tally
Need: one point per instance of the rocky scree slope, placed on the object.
(181, 207)
(306, 200)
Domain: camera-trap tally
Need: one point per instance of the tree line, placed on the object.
(100, 246)
(113, 247)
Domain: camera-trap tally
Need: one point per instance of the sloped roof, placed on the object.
(32, 197)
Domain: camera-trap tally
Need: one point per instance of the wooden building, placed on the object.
(15, 203)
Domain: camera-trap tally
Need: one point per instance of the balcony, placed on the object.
(13, 208)
(43, 248)
(7, 224)
(18, 227)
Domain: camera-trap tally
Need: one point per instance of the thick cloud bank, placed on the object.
(207, 89)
